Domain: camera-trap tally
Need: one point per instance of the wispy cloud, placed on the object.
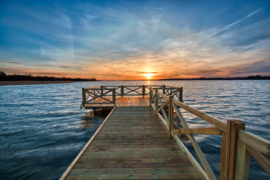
(10, 62)
(236, 22)
(126, 41)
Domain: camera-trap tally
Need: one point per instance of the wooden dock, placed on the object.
(139, 139)
(120, 101)
(133, 144)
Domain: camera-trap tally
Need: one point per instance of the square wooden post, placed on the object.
(242, 161)
(164, 89)
(223, 156)
(114, 100)
(171, 116)
(83, 96)
(122, 90)
(150, 96)
(233, 126)
(156, 102)
(143, 90)
(101, 87)
(181, 94)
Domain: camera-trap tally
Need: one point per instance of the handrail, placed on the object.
(98, 93)
(237, 143)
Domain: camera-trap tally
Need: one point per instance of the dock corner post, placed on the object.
(156, 102)
(233, 127)
(83, 97)
(150, 96)
(171, 115)
(164, 89)
(114, 99)
(143, 90)
(223, 156)
(122, 90)
(242, 161)
(181, 94)
(101, 87)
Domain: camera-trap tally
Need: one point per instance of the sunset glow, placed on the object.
(148, 75)
(130, 40)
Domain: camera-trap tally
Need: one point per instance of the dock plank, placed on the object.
(120, 101)
(133, 144)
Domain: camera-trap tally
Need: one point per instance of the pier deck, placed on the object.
(139, 139)
(133, 144)
(120, 101)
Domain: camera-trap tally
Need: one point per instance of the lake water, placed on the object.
(43, 128)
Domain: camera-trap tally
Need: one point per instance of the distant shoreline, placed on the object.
(11, 83)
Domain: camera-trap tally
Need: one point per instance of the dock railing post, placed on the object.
(114, 101)
(181, 94)
(101, 87)
(171, 116)
(233, 127)
(83, 97)
(122, 90)
(242, 161)
(223, 155)
(156, 102)
(143, 90)
(150, 96)
(164, 89)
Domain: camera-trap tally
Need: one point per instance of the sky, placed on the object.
(133, 40)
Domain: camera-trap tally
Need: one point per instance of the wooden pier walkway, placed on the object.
(139, 139)
(133, 144)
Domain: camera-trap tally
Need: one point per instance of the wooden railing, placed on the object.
(90, 95)
(237, 144)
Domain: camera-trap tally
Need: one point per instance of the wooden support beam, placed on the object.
(90, 94)
(163, 105)
(263, 160)
(202, 131)
(143, 90)
(114, 98)
(171, 116)
(259, 143)
(101, 91)
(163, 111)
(150, 96)
(156, 101)
(208, 118)
(181, 94)
(163, 95)
(196, 147)
(233, 127)
(242, 161)
(223, 156)
(122, 91)
(193, 161)
(83, 97)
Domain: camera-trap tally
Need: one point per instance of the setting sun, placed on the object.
(148, 75)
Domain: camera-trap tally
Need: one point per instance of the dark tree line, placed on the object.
(257, 77)
(29, 77)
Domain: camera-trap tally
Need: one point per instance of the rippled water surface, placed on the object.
(43, 129)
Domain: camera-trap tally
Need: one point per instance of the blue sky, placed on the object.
(127, 39)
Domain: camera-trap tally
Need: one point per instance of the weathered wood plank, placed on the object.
(133, 144)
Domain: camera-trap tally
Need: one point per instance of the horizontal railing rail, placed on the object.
(94, 95)
(237, 144)
(91, 95)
